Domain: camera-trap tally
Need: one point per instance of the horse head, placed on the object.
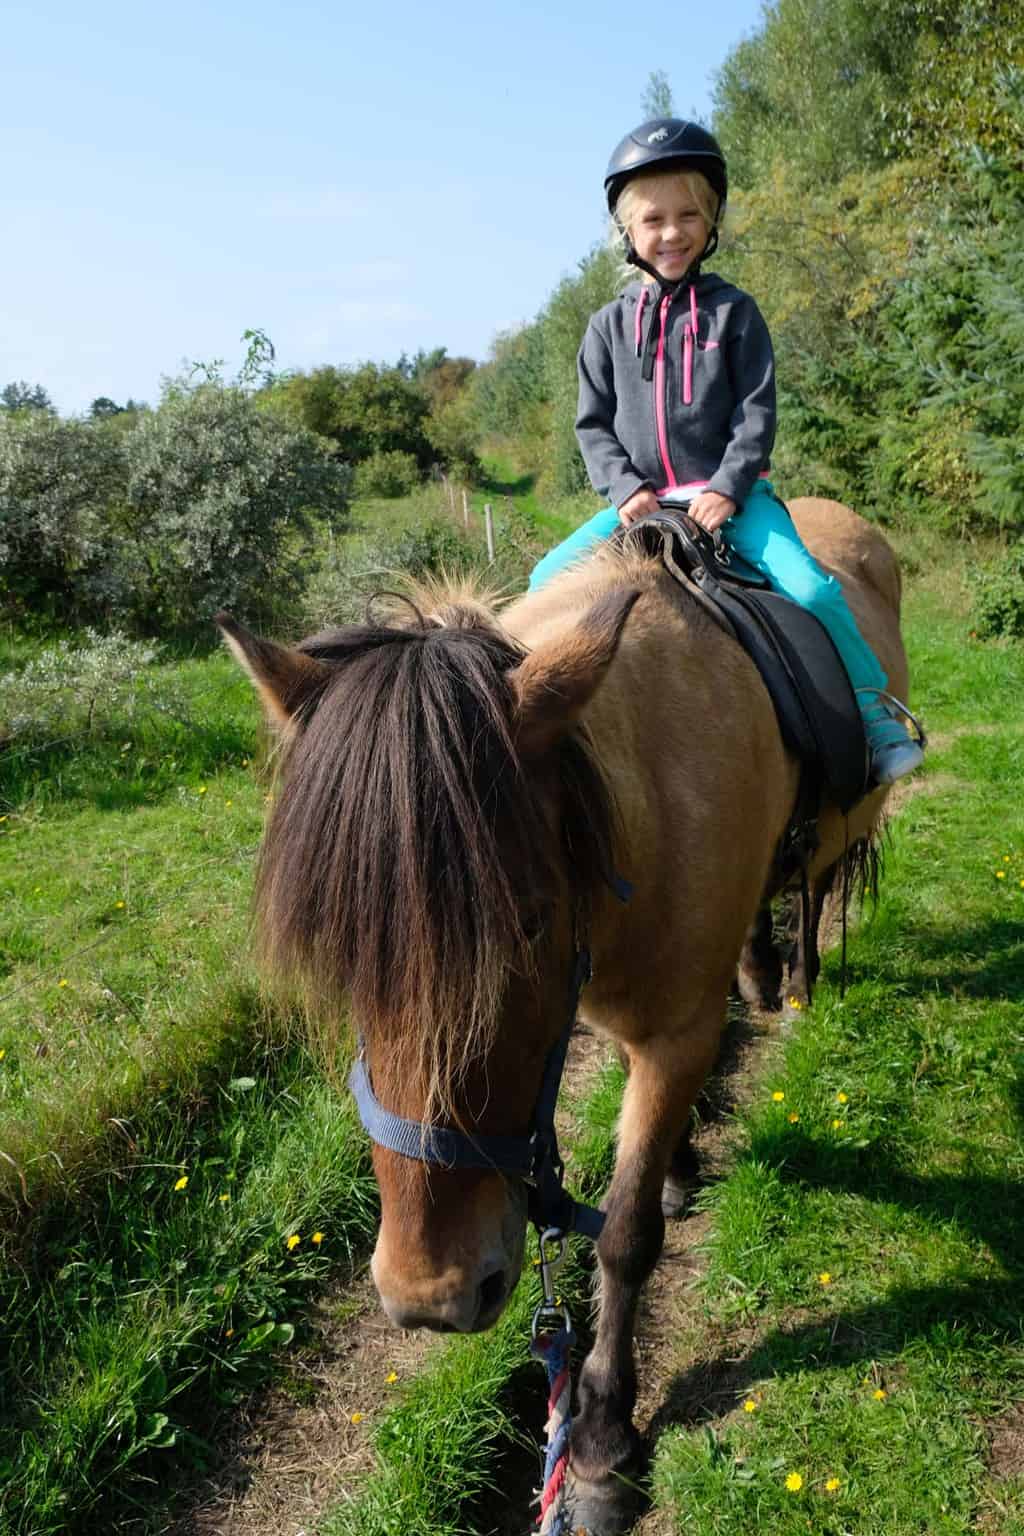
(440, 827)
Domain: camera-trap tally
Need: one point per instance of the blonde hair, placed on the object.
(640, 187)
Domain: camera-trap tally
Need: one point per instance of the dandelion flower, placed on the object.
(750, 1406)
(793, 1117)
(837, 1125)
(119, 905)
(391, 1378)
(824, 1278)
(1000, 874)
(794, 1002)
(794, 1482)
(63, 982)
(2, 1055)
(228, 804)
(294, 1241)
(778, 1096)
(879, 1394)
(832, 1485)
(357, 1418)
(182, 1181)
(201, 790)
(842, 1098)
(223, 1198)
(317, 1238)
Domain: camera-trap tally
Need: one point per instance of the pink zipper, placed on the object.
(689, 341)
(687, 364)
(659, 396)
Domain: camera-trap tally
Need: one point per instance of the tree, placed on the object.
(103, 406)
(363, 411)
(657, 98)
(26, 397)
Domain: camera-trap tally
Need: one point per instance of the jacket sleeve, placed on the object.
(751, 365)
(608, 464)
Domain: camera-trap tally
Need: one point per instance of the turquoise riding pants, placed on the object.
(763, 534)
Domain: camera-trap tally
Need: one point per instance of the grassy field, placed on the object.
(165, 1139)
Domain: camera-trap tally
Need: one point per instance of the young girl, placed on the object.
(677, 402)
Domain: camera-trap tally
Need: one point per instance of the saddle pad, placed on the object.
(814, 700)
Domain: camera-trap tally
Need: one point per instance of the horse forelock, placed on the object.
(407, 836)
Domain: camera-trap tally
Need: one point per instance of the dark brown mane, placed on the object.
(407, 834)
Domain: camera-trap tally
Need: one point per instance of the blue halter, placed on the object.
(534, 1158)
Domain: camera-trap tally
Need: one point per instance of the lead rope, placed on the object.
(551, 1343)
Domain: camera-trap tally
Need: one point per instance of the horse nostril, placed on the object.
(492, 1291)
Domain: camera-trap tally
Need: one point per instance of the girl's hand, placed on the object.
(710, 510)
(638, 505)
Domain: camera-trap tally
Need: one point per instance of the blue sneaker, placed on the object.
(894, 753)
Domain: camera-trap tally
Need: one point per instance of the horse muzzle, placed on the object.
(461, 1285)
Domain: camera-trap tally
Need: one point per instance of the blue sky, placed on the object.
(355, 180)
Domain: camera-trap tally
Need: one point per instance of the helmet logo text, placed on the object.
(657, 136)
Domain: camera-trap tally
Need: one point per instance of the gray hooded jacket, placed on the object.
(676, 387)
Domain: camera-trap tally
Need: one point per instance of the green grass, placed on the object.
(866, 1234)
(136, 1317)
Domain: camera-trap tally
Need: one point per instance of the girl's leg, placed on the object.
(579, 543)
(764, 535)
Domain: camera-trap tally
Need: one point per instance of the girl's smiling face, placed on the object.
(666, 224)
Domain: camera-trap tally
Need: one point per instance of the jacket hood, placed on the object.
(706, 282)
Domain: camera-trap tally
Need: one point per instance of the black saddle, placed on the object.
(814, 700)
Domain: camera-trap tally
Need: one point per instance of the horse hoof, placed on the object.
(609, 1507)
(676, 1197)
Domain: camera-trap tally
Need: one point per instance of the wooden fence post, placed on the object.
(465, 508)
(489, 527)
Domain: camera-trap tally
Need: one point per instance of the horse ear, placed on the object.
(557, 680)
(285, 680)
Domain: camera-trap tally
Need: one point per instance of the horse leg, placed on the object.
(683, 1167)
(759, 973)
(806, 963)
(606, 1455)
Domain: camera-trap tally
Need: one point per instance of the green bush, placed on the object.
(389, 474)
(74, 687)
(59, 484)
(998, 596)
(338, 593)
(217, 509)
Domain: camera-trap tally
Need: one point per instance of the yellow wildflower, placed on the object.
(294, 1241)
(794, 1002)
(391, 1378)
(793, 1117)
(750, 1406)
(317, 1238)
(119, 905)
(201, 790)
(824, 1278)
(842, 1098)
(357, 1418)
(63, 982)
(837, 1125)
(832, 1485)
(2, 1055)
(1000, 874)
(879, 1394)
(182, 1181)
(794, 1482)
(778, 1096)
(229, 803)
(223, 1198)
(230, 1333)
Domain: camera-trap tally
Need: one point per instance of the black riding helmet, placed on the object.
(667, 143)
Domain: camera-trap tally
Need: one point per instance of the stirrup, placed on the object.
(894, 706)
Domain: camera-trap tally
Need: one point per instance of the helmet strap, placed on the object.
(693, 271)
